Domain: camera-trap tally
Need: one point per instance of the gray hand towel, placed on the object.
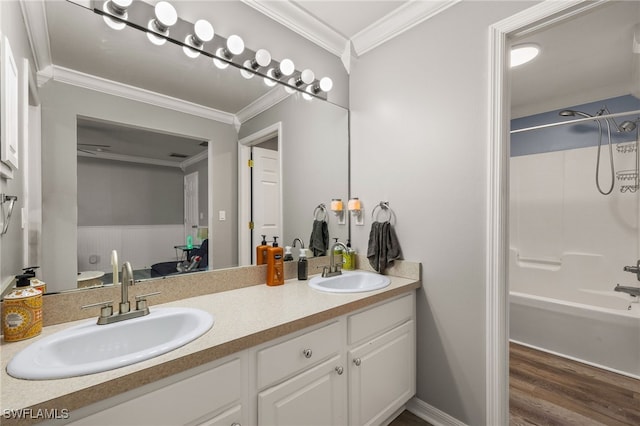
(383, 247)
(319, 241)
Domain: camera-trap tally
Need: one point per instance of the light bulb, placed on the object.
(202, 33)
(117, 8)
(166, 16)
(307, 94)
(245, 71)
(291, 82)
(235, 45)
(307, 76)
(220, 64)
(268, 81)
(326, 84)
(287, 67)
(262, 59)
(203, 30)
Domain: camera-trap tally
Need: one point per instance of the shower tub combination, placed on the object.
(599, 328)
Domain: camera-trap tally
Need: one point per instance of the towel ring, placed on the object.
(382, 205)
(320, 209)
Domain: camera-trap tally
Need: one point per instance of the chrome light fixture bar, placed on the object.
(161, 23)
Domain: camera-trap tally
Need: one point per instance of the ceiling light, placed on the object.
(202, 33)
(306, 77)
(262, 59)
(235, 46)
(284, 69)
(523, 53)
(324, 85)
(116, 8)
(166, 16)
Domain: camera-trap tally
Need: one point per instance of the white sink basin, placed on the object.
(90, 348)
(350, 282)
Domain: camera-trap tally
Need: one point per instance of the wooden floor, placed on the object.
(547, 390)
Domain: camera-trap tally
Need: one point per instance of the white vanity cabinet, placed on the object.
(300, 380)
(213, 394)
(381, 360)
(356, 369)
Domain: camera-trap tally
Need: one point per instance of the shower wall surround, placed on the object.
(565, 235)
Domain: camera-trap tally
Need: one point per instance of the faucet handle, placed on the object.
(106, 308)
(141, 300)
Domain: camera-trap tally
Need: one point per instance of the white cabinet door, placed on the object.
(314, 397)
(382, 375)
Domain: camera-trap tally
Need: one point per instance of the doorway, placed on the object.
(497, 295)
(260, 213)
(191, 211)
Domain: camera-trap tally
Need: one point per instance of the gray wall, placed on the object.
(315, 155)
(118, 193)
(11, 244)
(61, 104)
(419, 141)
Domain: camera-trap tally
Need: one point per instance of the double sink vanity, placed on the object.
(323, 351)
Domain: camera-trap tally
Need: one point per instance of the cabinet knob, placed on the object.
(339, 370)
(357, 362)
(307, 353)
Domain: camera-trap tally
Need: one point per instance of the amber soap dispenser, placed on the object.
(261, 251)
(275, 264)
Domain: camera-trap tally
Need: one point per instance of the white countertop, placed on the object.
(239, 314)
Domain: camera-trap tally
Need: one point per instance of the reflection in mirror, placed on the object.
(140, 193)
(87, 83)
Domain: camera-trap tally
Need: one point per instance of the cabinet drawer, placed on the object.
(284, 359)
(379, 319)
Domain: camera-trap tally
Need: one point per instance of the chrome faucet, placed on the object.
(632, 291)
(127, 280)
(301, 243)
(333, 268)
(106, 308)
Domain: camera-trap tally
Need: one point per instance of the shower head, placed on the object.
(573, 113)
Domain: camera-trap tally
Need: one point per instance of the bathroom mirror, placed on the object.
(88, 56)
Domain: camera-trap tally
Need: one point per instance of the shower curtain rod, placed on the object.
(578, 120)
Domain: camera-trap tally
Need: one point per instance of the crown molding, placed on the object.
(193, 160)
(395, 23)
(303, 23)
(130, 159)
(35, 21)
(263, 103)
(87, 81)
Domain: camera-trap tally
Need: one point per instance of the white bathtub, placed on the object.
(600, 330)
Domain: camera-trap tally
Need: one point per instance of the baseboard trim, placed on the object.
(431, 414)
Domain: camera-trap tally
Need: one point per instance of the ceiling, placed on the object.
(583, 59)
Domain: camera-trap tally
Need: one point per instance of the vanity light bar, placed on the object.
(139, 13)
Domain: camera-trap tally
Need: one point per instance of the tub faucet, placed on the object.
(633, 269)
(632, 291)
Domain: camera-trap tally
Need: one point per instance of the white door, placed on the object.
(265, 200)
(191, 205)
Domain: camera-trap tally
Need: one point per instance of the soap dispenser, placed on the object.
(261, 251)
(349, 263)
(303, 265)
(275, 264)
(287, 254)
(22, 311)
